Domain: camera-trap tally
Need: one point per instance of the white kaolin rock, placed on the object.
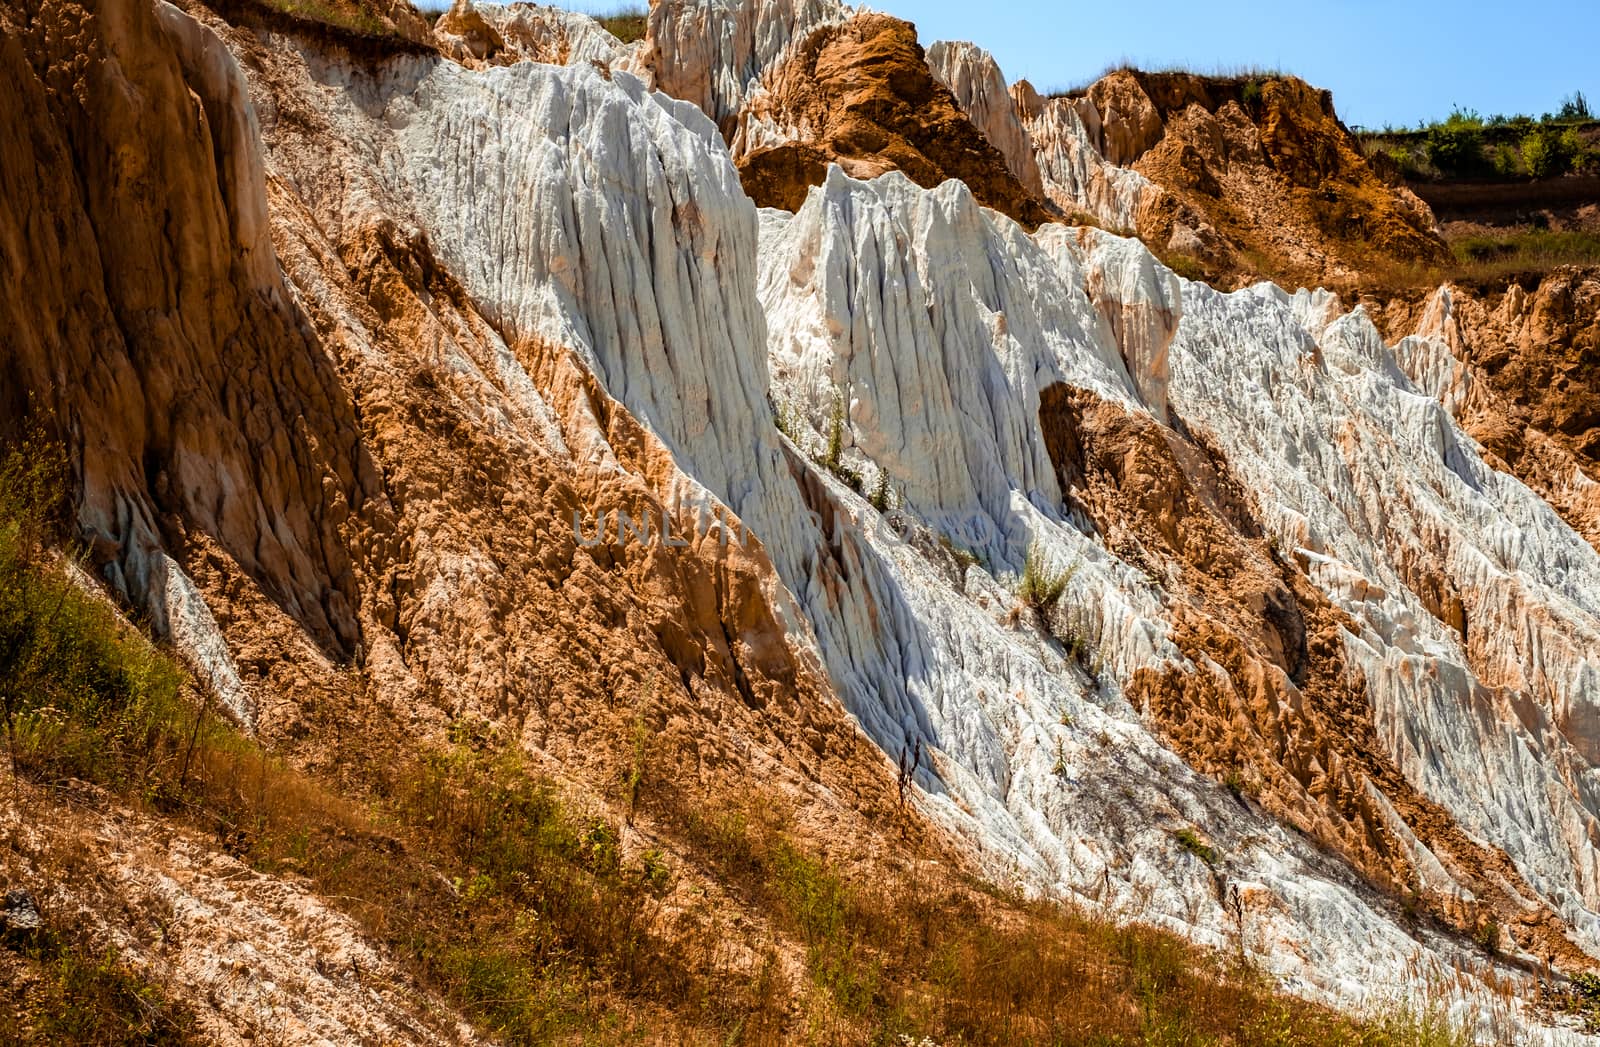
(918, 330)
(975, 79)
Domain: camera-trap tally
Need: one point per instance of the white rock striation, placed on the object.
(888, 297)
(715, 53)
(973, 76)
(540, 33)
(1075, 174)
(1371, 481)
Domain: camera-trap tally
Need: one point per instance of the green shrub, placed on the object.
(832, 459)
(1455, 148)
(1463, 119)
(1488, 936)
(1404, 159)
(1549, 153)
(1507, 160)
(882, 496)
(836, 419)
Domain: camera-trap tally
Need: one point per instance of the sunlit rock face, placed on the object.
(1303, 619)
(980, 89)
(930, 340)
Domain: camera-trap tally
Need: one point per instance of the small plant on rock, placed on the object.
(1251, 94)
(1488, 936)
(1041, 587)
(1191, 841)
(963, 556)
(882, 498)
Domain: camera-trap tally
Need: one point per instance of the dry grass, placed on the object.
(1185, 265)
(1485, 257)
(343, 14)
(1240, 74)
(627, 25)
(1486, 260)
(919, 953)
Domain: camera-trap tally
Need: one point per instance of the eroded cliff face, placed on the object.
(860, 94)
(353, 348)
(1290, 623)
(156, 332)
(1518, 369)
(501, 34)
(1246, 178)
(352, 491)
(974, 79)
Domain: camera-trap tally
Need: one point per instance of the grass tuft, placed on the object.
(1041, 587)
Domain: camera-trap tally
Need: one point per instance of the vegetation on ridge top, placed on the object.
(626, 24)
(1467, 144)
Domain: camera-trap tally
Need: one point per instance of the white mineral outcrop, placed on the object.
(715, 53)
(975, 79)
(1076, 176)
(540, 33)
(917, 331)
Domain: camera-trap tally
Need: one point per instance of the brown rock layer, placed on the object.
(144, 312)
(1268, 168)
(865, 99)
(1533, 351)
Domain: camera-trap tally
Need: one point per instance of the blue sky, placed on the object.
(1393, 61)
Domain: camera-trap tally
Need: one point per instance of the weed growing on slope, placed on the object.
(81, 994)
(469, 868)
(1041, 586)
(1190, 841)
(963, 557)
